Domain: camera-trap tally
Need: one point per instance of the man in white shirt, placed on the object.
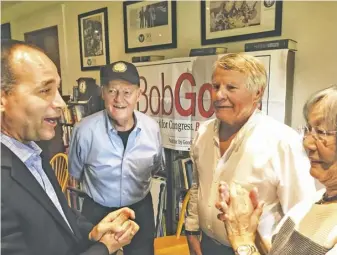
(245, 146)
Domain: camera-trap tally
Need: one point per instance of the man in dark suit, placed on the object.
(35, 217)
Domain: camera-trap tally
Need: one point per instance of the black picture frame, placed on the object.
(273, 5)
(94, 39)
(6, 31)
(150, 37)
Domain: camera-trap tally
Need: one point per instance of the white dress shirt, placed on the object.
(266, 154)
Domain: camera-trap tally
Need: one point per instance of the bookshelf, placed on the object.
(179, 181)
(72, 114)
(86, 101)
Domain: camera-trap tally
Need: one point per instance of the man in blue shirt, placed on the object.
(115, 153)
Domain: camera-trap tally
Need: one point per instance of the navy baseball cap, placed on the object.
(120, 70)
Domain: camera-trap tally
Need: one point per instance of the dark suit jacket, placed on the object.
(30, 223)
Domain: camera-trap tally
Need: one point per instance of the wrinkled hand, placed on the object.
(114, 241)
(114, 222)
(240, 211)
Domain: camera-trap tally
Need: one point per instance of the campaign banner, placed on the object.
(177, 93)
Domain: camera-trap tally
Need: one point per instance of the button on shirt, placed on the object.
(111, 175)
(266, 154)
(29, 154)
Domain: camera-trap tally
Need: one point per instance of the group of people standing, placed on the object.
(240, 158)
(147, 16)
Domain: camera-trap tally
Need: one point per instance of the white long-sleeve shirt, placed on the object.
(266, 154)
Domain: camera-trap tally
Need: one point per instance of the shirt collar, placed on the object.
(243, 130)
(22, 150)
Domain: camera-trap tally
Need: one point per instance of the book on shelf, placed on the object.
(79, 112)
(138, 59)
(272, 45)
(67, 130)
(73, 113)
(188, 171)
(75, 194)
(66, 116)
(207, 51)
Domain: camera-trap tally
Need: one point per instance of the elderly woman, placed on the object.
(311, 226)
(245, 145)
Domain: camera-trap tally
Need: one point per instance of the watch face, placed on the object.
(82, 87)
(245, 250)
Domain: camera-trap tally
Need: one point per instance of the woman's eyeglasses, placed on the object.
(318, 132)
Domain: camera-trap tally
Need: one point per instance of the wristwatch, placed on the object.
(246, 250)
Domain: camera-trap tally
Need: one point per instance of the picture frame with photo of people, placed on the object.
(149, 25)
(94, 39)
(232, 20)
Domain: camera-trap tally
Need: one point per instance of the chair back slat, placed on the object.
(60, 165)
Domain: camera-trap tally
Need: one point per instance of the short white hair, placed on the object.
(246, 64)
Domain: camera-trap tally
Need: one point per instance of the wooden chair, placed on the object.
(177, 244)
(60, 165)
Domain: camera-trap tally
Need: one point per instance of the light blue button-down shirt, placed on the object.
(29, 154)
(112, 176)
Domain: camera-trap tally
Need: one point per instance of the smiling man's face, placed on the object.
(120, 99)
(232, 101)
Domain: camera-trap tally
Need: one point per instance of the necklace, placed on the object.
(326, 199)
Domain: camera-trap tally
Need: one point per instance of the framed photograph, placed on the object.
(6, 31)
(149, 25)
(94, 39)
(230, 21)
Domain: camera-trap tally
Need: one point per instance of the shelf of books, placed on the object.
(67, 124)
(75, 195)
(72, 114)
(179, 181)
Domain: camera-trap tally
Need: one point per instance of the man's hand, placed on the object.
(114, 241)
(194, 245)
(115, 222)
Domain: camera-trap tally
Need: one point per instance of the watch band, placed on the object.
(192, 233)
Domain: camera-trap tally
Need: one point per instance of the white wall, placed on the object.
(312, 24)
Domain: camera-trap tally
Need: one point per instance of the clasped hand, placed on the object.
(116, 229)
(240, 211)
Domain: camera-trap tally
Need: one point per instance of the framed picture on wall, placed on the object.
(94, 39)
(230, 21)
(48, 40)
(149, 25)
(6, 31)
